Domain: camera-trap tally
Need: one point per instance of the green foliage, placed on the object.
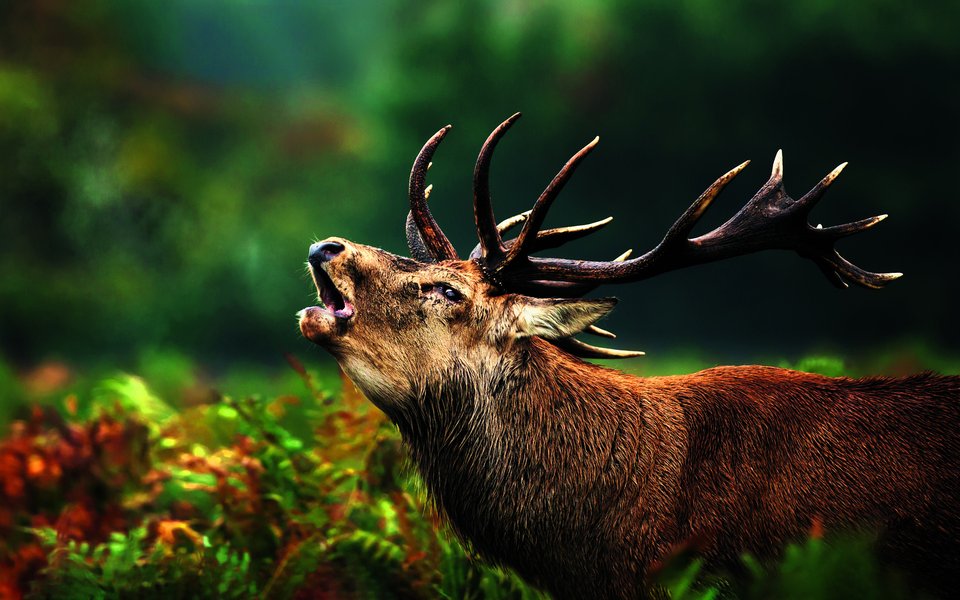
(844, 568)
(277, 498)
(127, 566)
(683, 582)
(132, 396)
(816, 569)
(230, 498)
(463, 577)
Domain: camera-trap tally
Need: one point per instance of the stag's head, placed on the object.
(397, 324)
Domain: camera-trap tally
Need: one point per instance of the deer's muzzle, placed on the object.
(320, 323)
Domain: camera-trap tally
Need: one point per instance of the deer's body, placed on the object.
(582, 478)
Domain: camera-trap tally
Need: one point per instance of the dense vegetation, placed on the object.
(120, 494)
(110, 490)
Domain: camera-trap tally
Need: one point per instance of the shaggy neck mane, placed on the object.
(506, 454)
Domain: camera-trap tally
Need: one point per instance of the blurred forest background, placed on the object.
(165, 165)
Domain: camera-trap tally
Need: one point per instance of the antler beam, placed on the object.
(771, 219)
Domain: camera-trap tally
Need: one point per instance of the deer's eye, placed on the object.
(449, 293)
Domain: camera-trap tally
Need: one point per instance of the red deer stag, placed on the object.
(581, 477)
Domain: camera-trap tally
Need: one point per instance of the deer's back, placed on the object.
(767, 452)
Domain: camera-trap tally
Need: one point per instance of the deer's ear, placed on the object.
(553, 318)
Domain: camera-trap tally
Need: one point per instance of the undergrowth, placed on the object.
(122, 494)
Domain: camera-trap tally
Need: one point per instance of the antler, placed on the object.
(769, 220)
(424, 237)
(546, 239)
(426, 240)
(491, 244)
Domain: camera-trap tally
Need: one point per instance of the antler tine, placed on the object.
(507, 225)
(841, 231)
(528, 235)
(432, 239)
(776, 172)
(600, 332)
(553, 238)
(685, 224)
(548, 238)
(491, 244)
(837, 267)
(583, 350)
(810, 199)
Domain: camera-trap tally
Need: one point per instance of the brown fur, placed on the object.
(581, 477)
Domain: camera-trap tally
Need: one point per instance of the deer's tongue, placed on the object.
(333, 301)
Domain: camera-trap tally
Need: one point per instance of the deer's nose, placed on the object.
(322, 252)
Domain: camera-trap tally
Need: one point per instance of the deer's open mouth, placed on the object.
(322, 324)
(333, 301)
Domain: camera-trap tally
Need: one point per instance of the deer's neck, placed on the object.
(542, 439)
